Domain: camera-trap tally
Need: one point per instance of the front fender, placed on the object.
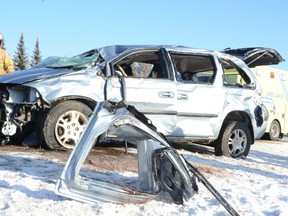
(76, 86)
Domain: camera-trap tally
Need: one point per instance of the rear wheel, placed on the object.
(64, 123)
(234, 140)
(274, 131)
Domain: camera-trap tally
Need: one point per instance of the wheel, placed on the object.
(274, 131)
(234, 140)
(64, 124)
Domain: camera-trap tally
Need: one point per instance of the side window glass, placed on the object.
(140, 65)
(234, 76)
(194, 68)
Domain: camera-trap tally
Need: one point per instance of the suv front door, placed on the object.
(149, 86)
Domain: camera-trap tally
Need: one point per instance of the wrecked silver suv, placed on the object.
(189, 94)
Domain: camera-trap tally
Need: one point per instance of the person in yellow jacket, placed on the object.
(6, 64)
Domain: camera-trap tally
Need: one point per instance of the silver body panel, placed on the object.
(150, 147)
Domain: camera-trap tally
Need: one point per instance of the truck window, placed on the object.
(194, 68)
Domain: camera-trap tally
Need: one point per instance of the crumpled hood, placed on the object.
(24, 76)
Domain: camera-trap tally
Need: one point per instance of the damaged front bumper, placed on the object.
(160, 167)
(18, 104)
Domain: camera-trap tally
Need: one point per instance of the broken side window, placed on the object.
(194, 68)
(141, 65)
(233, 75)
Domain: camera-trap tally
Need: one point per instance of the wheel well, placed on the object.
(241, 117)
(87, 101)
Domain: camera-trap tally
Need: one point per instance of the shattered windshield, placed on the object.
(78, 62)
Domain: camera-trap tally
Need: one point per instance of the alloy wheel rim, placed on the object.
(237, 142)
(69, 127)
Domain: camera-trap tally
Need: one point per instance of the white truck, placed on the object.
(274, 84)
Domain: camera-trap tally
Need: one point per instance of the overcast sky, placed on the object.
(70, 27)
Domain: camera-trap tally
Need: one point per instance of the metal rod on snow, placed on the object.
(210, 187)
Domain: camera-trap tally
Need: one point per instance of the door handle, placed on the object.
(166, 94)
(182, 97)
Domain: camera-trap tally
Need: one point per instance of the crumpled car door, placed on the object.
(160, 167)
(256, 56)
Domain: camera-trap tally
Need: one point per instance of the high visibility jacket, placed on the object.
(6, 64)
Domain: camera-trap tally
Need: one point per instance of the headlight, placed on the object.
(22, 94)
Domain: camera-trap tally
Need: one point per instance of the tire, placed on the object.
(64, 123)
(274, 131)
(234, 140)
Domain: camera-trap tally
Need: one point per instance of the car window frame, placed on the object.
(162, 60)
(240, 71)
(206, 55)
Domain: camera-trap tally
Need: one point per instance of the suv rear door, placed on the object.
(200, 100)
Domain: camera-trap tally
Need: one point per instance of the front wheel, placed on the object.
(64, 123)
(234, 140)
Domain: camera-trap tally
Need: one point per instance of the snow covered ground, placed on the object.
(257, 185)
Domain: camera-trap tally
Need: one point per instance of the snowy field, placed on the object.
(257, 185)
